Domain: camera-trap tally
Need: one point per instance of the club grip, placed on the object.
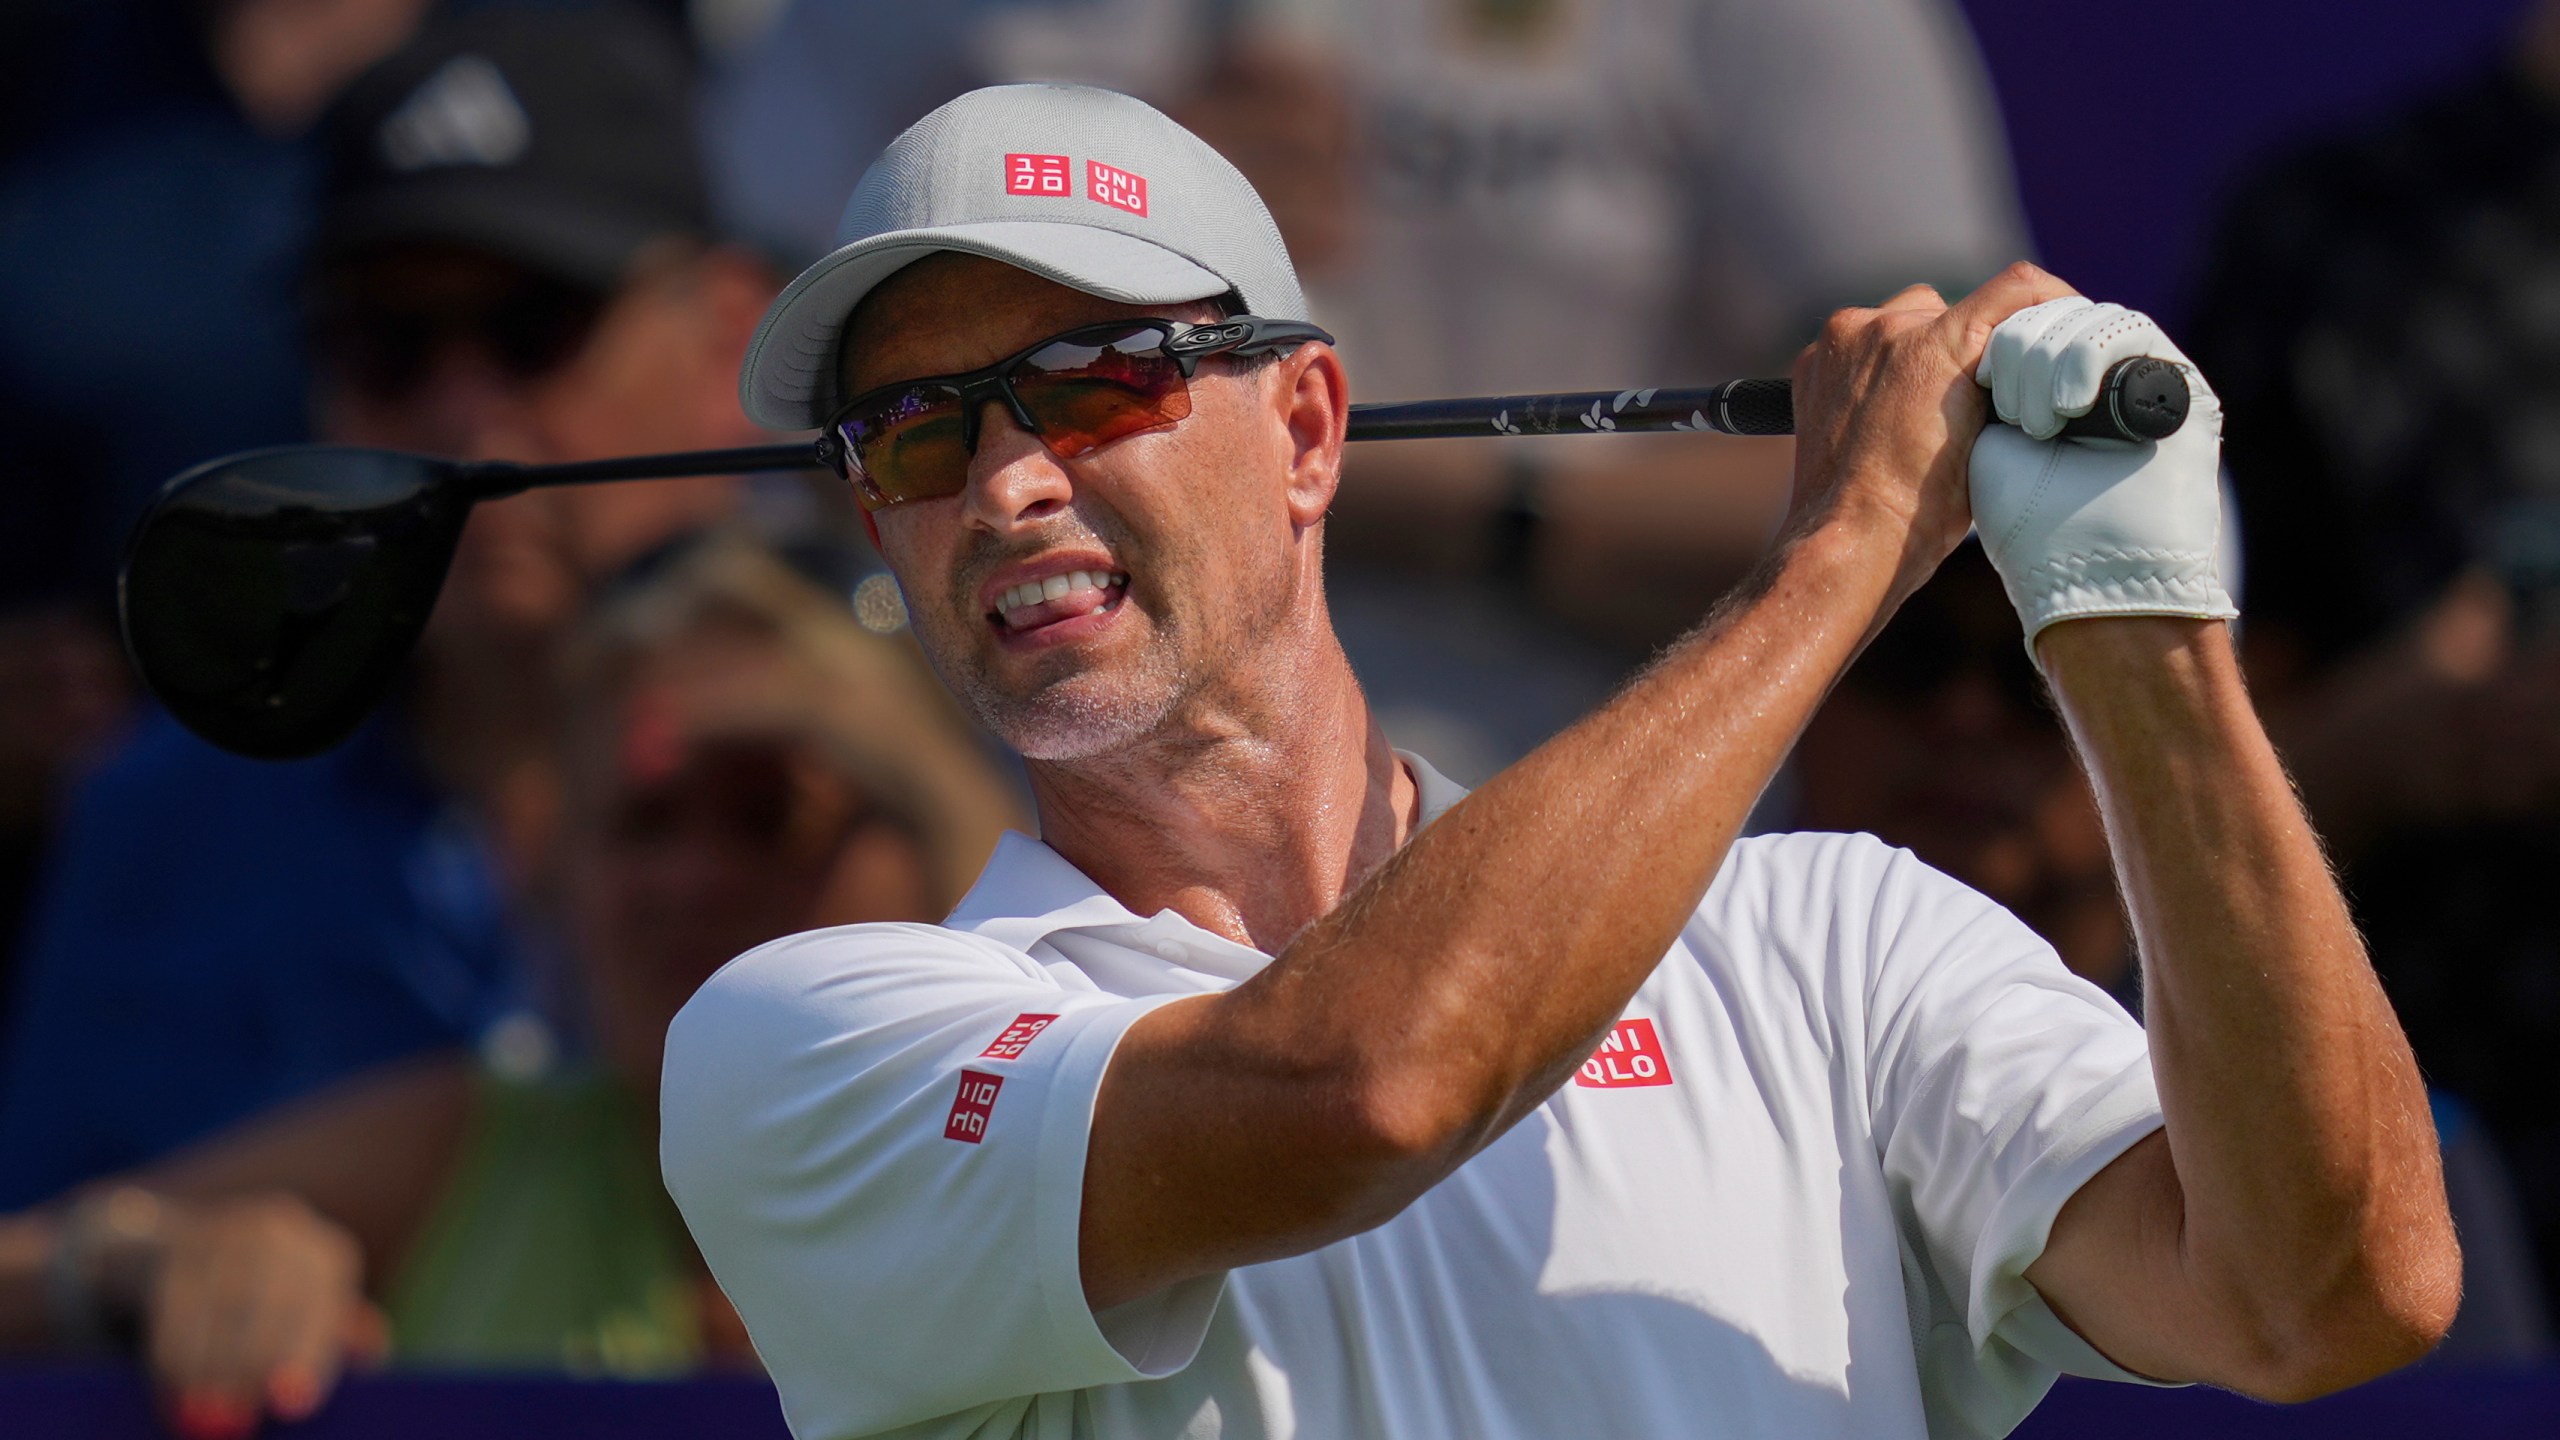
(2142, 399)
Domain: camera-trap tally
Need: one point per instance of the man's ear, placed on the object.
(1314, 398)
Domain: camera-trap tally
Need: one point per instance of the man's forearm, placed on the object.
(1460, 985)
(2312, 1216)
(1630, 813)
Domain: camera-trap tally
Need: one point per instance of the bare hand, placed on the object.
(1887, 409)
(253, 1307)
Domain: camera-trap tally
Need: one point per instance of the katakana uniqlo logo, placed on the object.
(1115, 187)
(1037, 175)
(972, 1107)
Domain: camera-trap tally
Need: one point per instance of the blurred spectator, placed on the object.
(1940, 740)
(154, 191)
(745, 761)
(1485, 197)
(2383, 320)
(513, 261)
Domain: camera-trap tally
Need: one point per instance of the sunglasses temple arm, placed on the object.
(490, 480)
(1737, 407)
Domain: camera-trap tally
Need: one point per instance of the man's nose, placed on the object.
(1013, 479)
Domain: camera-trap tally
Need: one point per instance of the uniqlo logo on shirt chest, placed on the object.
(1116, 188)
(1632, 1055)
(1036, 175)
(1017, 1037)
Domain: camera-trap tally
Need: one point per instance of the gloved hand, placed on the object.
(2081, 528)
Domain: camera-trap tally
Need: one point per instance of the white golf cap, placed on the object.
(1086, 187)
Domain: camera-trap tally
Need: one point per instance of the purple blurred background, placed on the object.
(2120, 208)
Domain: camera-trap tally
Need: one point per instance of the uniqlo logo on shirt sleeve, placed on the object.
(1036, 175)
(972, 1107)
(1632, 1055)
(1017, 1037)
(1116, 188)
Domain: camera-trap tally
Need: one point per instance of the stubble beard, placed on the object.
(1080, 715)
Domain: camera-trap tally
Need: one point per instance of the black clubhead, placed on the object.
(269, 599)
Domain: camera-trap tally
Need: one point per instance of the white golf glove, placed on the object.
(2078, 528)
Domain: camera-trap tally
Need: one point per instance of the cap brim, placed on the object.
(789, 382)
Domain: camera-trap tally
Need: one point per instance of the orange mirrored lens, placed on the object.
(1088, 392)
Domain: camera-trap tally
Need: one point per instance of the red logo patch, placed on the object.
(1116, 188)
(971, 1107)
(1017, 1037)
(1632, 1055)
(1036, 175)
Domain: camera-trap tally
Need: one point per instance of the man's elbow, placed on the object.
(2364, 1327)
(1384, 1139)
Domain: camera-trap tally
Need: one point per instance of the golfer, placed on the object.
(1282, 1089)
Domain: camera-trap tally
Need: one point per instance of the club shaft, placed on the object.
(1736, 407)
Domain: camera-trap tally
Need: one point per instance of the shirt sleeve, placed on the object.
(1999, 1083)
(877, 1136)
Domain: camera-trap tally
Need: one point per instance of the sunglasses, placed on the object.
(384, 350)
(1077, 392)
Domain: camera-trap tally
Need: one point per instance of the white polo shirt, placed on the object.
(1792, 1196)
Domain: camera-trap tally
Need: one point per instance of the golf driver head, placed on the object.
(269, 599)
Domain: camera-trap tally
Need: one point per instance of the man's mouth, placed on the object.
(1036, 603)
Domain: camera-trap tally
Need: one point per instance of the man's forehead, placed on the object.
(951, 312)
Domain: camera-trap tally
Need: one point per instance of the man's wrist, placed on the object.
(2093, 660)
(1866, 535)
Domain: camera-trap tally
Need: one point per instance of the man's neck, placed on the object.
(1251, 821)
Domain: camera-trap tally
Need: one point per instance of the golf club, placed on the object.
(270, 598)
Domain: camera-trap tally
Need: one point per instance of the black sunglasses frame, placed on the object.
(1184, 343)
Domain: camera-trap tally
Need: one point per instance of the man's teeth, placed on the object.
(1057, 587)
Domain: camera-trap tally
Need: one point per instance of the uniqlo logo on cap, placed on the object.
(1632, 1055)
(1116, 188)
(971, 1108)
(1017, 1037)
(1036, 175)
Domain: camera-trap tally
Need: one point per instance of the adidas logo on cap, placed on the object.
(463, 115)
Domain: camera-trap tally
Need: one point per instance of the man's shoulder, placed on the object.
(1792, 868)
(1814, 898)
(858, 958)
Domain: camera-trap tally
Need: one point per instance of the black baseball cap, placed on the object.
(558, 136)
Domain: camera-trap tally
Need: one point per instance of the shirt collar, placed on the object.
(1029, 892)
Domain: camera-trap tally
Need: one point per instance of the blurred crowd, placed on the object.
(353, 1059)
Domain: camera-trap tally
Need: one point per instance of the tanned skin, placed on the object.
(1204, 747)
